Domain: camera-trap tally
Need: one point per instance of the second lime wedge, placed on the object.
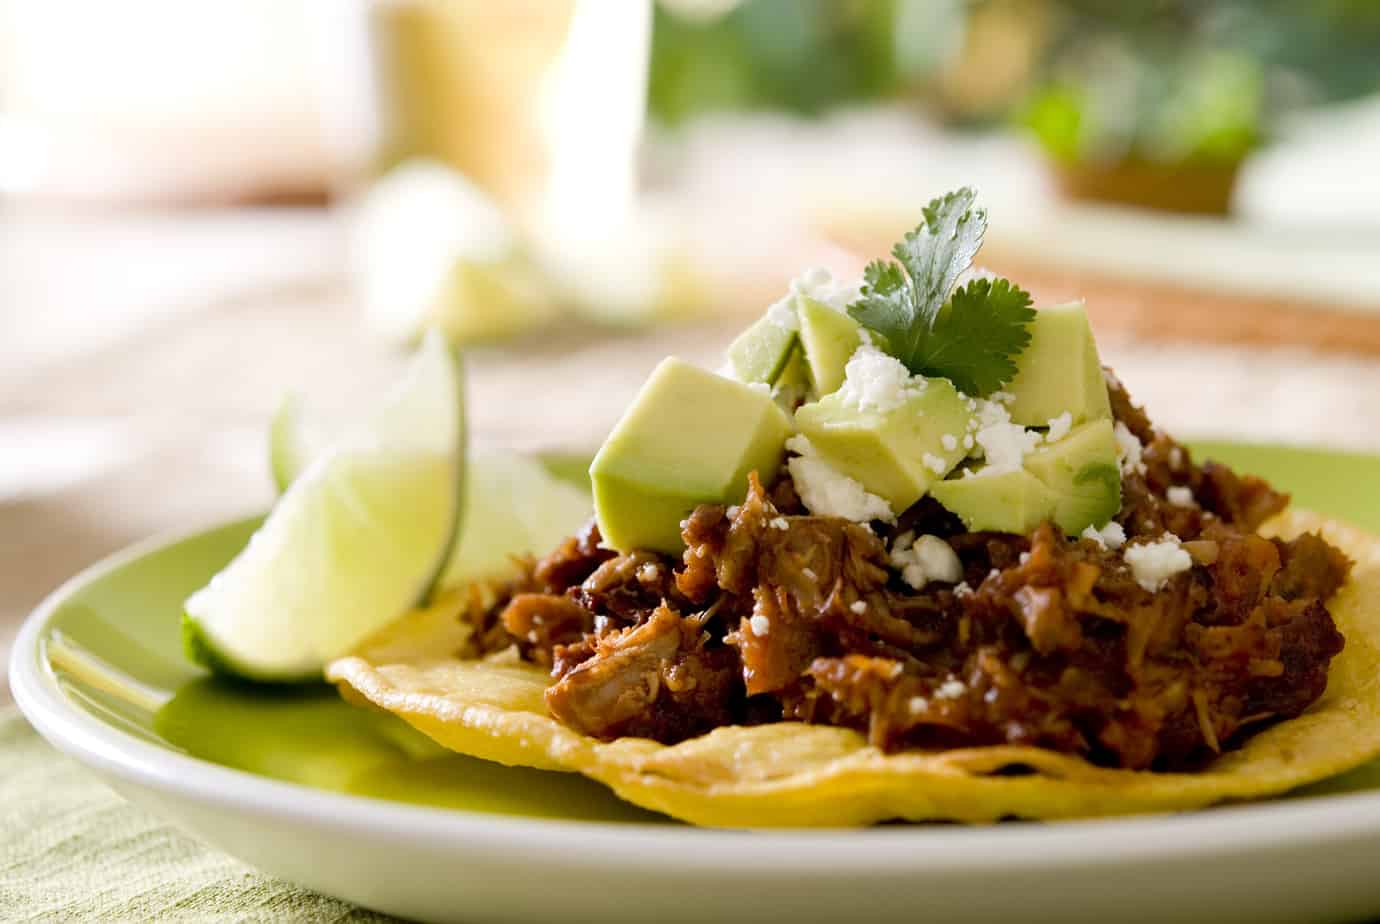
(514, 505)
(358, 538)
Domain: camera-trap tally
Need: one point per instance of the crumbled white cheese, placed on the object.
(1004, 444)
(988, 413)
(649, 572)
(858, 606)
(951, 689)
(934, 463)
(1114, 535)
(1180, 495)
(1111, 536)
(1025, 557)
(949, 442)
(918, 704)
(782, 312)
(819, 284)
(1154, 563)
(732, 513)
(825, 491)
(963, 590)
(877, 381)
(779, 523)
(1128, 450)
(924, 559)
(759, 624)
(1059, 427)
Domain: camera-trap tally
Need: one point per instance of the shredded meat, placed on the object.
(541, 622)
(575, 560)
(774, 614)
(656, 680)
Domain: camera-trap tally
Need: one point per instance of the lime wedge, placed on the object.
(288, 451)
(513, 506)
(360, 536)
(513, 503)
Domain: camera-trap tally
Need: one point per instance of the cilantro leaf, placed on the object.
(954, 232)
(976, 335)
(886, 306)
(970, 338)
(901, 306)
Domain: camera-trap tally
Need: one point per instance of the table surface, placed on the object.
(140, 357)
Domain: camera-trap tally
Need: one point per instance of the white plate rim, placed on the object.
(1026, 847)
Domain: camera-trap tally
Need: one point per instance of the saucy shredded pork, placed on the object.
(774, 614)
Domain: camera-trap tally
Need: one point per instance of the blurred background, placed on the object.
(206, 206)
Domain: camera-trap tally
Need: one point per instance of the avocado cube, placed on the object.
(761, 352)
(1005, 501)
(1081, 469)
(1059, 370)
(895, 454)
(690, 437)
(830, 338)
(792, 386)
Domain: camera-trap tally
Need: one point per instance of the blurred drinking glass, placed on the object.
(539, 102)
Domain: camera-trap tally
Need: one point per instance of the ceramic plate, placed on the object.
(358, 806)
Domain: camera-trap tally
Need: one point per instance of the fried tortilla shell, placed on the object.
(788, 774)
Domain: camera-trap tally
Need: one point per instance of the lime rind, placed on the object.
(201, 650)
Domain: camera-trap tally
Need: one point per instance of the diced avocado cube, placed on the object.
(760, 353)
(1006, 501)
(1059, 371)
(1081, 469)
(895, 454)
(690, 437)
(793, 384)
(830, 337)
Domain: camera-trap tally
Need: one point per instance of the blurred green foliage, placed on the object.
(1194, 81)
(1200, 81)
(802, 56)
(1188, 105)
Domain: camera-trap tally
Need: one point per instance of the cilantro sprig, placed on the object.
(970, 336)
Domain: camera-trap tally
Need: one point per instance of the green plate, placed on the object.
(113, 644)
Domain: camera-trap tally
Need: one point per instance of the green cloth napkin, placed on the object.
(72, 850)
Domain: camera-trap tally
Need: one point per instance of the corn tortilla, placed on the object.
(789, 774)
